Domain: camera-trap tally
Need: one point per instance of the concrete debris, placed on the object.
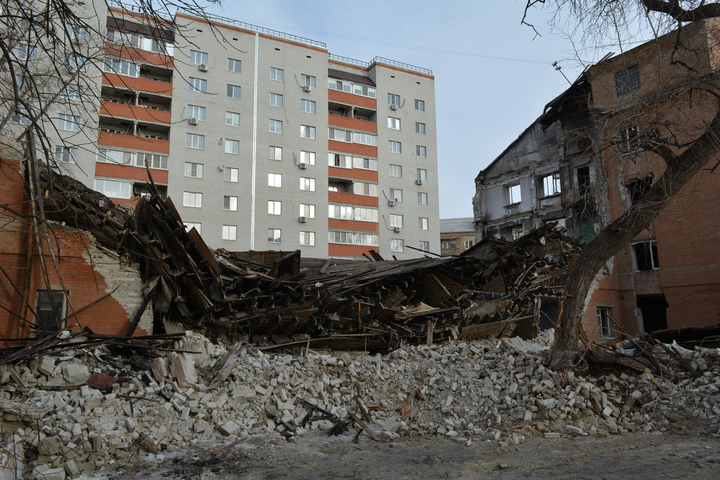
(467, 391)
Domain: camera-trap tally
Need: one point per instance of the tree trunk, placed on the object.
(680, 170)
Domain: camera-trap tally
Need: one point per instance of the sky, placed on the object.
(493, 76)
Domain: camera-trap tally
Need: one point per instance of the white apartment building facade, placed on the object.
(263, 140)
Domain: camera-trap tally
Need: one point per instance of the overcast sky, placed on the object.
(492, 75)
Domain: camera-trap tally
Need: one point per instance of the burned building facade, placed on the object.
(591, 155)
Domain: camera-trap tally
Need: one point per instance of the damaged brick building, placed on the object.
(89, 287)
(582, 163)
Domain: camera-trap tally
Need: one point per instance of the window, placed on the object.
(364, 188)
(394, 123)
(193, 140)
(448, 245)
(197, 84)
(231, 175)
(583, 180)
(420, 128)
(394, 147)
(76, 32)
(397, 245)
(307, 211)
(121, 157)
(232, 147)
(274, 235)
(274, 207)
(396, 171)
(422, 175)
(307, 106)
(352, 238)
(195, 111)
(276, 126)
(422, 198)
(637, 188)
(276, 100)
(308, 158)
(274, 180)
(307, 239)
(121, 67)
(161, 47)
(275, 153)
(307, 131)
(50, 310)
(424, 246)
(76, 62)
(154, 160)
(512, 233)
(396, 221)
(230, 203)
(192, 199)
(194, 170)
(365, 138)
(234, 65)
(364, 90)
(341, 85)
(25, 52)
(233, 91)
(513, 194)
(129, 39)
(232, 119)
(630, 139)
(339, 160)
(114, 188)
(424, 223)
(68, 122)
(627, 81)
(604, 315)
(365, 163)
(340, 135)
(342, 212)
(198, 58)
(550, 185)
(645, 256)
(190, 225)
(72, 92)
(307, 184)
(22, 116)
(393, 99)
(467, 244)
(421, 151)
(307, 81)
(396, 194)
(229, 232)
(419, 105)
(66, 154)
(276, 74)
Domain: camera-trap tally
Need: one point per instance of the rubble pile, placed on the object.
(83, 409)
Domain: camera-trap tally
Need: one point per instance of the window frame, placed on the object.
(233, 62)
(190, 199)
(277, 100)
(194, 166)
(273, 126)
(194, 60)
(229, 233)
(604, 317)
(232, 116)
(189, 141)
(231, 89)
(277, 72)
(419, 105)
(309, 130)
(229, 201)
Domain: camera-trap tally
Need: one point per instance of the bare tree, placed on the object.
(677, 124)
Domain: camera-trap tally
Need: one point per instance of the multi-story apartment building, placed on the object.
(263, 140)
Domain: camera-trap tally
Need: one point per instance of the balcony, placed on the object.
(352, 199)
(134, 112)
(133, 142)
(355, 225)
(129, 172)
(141, 84)
(352, 99)
(352, 123)
(139, 56)
(353, 173)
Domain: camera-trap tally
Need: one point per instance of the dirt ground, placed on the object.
(693, 454)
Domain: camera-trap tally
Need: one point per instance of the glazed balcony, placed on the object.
(133, 142)
(140, 84)
(352, 123)
(134, 112)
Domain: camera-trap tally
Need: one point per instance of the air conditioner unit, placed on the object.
(302, 165)
(397, 229)
(306, 88)
(202, 67)
(393, 106)
(419, 181)
(193, 121)
(302, 219)
(391, 203)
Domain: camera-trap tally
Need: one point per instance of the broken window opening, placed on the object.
(637, 188)
(50, 311)
(653, 309)
(630, 139)
(645, 256)
(583, 180)
(550, 185)
(627, 81)
(604, 316)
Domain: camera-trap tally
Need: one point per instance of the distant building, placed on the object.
(456, 235)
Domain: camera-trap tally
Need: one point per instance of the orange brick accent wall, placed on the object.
(354, 173)
(352, 123)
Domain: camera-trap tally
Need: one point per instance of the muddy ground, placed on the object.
(692, 453)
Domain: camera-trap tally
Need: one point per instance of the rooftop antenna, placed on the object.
(559, 69)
